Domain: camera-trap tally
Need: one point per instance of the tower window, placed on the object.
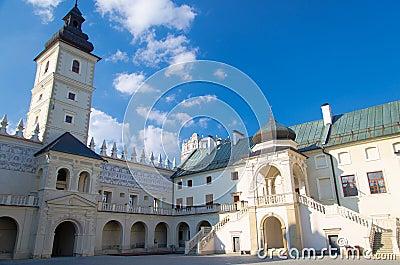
(36, 119)
(75, 66)
(62, 178)
(47, 67)
(208, 180)
(71, 96)
(75, 24)
(69, 118)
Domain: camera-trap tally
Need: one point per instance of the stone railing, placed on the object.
(214, 208)
(276, 199)
(18, 200)
(310, 202)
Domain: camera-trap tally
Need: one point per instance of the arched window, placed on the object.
(75, 66)
(344, 158)
(371, 153)
(83, 185)
(320, 161)
(62, 179)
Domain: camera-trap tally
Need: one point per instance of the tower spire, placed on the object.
(76, 3)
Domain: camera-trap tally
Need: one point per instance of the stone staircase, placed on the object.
(382, 243)
(203, 237)
(381, 231)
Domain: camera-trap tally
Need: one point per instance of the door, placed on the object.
(236, 244)
(333, 245)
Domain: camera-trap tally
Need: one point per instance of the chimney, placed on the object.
(326, 113)
(237, 136)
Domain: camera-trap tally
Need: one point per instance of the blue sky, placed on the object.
(300, 53)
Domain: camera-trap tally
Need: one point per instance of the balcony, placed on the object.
(277, 199)
(18, 200)
(214, 208)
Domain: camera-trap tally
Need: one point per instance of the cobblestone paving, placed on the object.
(187, 260)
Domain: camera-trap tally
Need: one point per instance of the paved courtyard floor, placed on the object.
(188, 260)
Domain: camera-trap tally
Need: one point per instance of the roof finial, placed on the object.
(76, 3)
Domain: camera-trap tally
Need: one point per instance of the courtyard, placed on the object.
(192, 260)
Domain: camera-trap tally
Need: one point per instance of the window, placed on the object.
(47, 67)
(145, 198)
(75, 66)
(208, 180)
(179, 185)
(189, 201)
(320, 161)
(179, 202)
(325, 191)
(190, 183)
(36, 119)
(83, 184)
(107, 196)
(71, 96)
(396, 148)
(349, 186)
(371, 153)
(344, 158)
(122, 195)
(376, 182)
(234, 175)
(62, 177)
(40, 97)
(209, 199)
(69, 118)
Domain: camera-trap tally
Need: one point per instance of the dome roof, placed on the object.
(273, 130)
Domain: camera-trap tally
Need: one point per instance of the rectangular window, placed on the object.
(179, 202)
(71, 96)
(325, 191)
(349, 186)
(190, 183)
(189, 201)
(209, 199)
(376, 182)
(69, 118)
(208, 180)
(179, 185)
(320, 161)
(234, 175)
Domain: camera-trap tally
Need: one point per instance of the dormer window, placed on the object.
(75, 66)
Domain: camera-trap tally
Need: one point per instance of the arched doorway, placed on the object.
(161, 235)
(8, 236)
(204, 224)
(64, 240)
(111, 236)
(183, 234)
(138, 235)
(273, 233)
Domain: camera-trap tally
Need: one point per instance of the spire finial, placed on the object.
(76, 3)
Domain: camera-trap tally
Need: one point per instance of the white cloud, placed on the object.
(170, 98)
(172, 49)
(182, 118)
(102, 126)
(198, 100)
(220, 74)
(153, 115)
(159, 141)
(203, 122)
(44, 8)
(118, 56)
(138, 16)
(131, 83)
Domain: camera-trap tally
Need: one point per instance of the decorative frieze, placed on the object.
(17, 158)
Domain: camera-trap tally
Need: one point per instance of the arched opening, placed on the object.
(112, 234)
(274, 233)
(183, 234)
(62, 179)
(83, 184)
(161, 235)
(299, 180)
(204, 224)
(8, 236)
(138, 235)
(64, 240)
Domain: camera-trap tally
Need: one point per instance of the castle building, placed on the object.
(312, 185)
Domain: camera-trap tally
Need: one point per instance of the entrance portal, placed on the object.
(8, 237)
(64, 240)
(273, 234)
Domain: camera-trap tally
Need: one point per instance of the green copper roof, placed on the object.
(353, 126)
